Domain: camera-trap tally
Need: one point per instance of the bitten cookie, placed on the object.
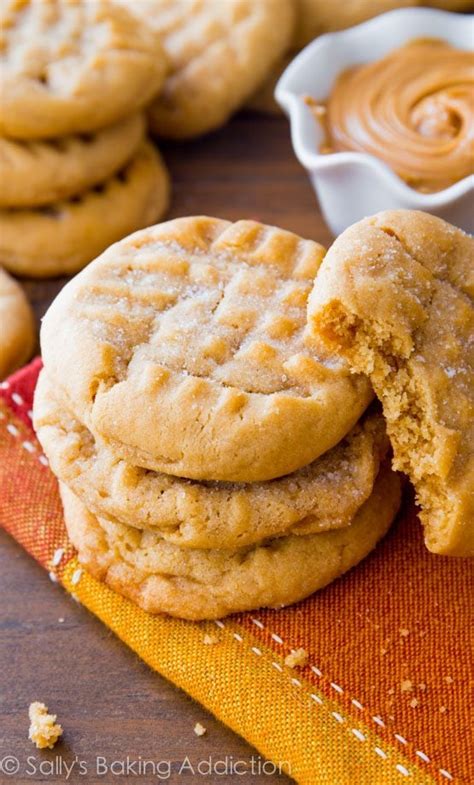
(36, 173)
(395, 297)
(324, 495)
(61, 238)
(197, 584)
(219, 54)
(182, 346)
(69, 67)
(17, 334)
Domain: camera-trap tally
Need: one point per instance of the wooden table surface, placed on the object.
(110, 703)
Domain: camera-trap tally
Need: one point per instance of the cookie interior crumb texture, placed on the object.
(44, 730)
(394, 298)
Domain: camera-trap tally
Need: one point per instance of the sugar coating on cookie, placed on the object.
(207, 584)
(17, 333)
(191, 358)
(60, 238)
(38, 172)
(324, 495)
(70, 66)
(394, 297)
(219, 53)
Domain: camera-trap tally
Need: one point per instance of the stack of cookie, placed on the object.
(76, 173)
(209, 462)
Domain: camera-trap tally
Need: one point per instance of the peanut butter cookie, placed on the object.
(17, 334)
(191, 359)
(315, 17)
(197, 584)
(70, 66)
(395, 298)
(61, 238)
(36, 173)
(219, 54)
(324, 495)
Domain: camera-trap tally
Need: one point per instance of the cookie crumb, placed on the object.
(443, 709)
(199, 729)
(404, 633)
(406, 685)
(422, 687)
(448, 679)
(44, 731)
(296, 659)
(210, 640)
(414, 703)
(391, 691)
(61, 619)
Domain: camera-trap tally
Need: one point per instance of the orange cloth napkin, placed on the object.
(384, 696)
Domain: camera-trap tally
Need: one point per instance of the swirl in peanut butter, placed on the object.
(414, 109)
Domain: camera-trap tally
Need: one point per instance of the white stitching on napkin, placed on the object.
(317, 699)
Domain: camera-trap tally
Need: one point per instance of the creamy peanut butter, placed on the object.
(414, 109)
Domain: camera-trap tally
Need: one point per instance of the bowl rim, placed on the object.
(294, 105)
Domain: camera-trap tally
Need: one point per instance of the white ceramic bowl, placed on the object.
(353, 185)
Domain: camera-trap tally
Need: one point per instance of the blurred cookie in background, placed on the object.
(73, 67)
(60, 238)
(75, 172)
(219, 53)
(17, 334)
(38, 172)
